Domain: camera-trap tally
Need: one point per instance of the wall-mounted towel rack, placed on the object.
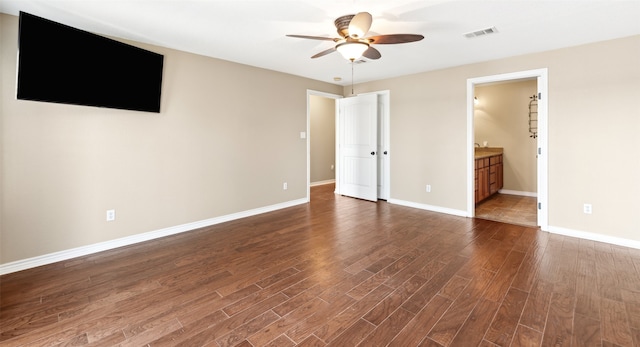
(533, 116)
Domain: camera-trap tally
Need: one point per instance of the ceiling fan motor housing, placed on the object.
(342, 24)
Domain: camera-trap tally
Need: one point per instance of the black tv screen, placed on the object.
(61, 64)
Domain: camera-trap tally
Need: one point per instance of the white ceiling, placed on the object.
(253, 32)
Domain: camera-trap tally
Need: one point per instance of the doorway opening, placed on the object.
(532, 189)
(502, 125)
(321, 120)
(379, 150)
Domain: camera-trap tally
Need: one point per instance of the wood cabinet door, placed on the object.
(500, 175)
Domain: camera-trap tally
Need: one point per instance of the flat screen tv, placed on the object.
(61, 64)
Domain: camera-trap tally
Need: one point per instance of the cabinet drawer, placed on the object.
(482, 163)
(493, 178)
(495, 160)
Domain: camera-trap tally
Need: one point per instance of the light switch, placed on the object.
(303, 135)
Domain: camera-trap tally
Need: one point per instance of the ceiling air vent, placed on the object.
(481, 32)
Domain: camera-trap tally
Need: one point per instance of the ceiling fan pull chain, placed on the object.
(352, 77)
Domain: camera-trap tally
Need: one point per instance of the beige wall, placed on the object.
(228, 136)
(226, 139)
(322, 138)
(594, 121)
(502, 118)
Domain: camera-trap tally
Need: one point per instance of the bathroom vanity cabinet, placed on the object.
(488, 173)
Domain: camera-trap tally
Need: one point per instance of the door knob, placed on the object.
(385, 152)
(373, 153)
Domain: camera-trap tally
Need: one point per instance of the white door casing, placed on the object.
(543, 161)
(358, 146)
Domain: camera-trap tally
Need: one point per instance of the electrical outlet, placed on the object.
(428, 188)
(284, 186)
(111, 215)
(587, 209)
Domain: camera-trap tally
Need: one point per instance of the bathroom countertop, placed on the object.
(484, 152)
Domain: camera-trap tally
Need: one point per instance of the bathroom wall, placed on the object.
(501, 118)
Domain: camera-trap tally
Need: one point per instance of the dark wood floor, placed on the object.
(337, 272)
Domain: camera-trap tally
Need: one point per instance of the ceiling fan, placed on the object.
(352, 43)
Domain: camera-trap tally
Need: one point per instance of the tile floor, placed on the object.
(513, 209)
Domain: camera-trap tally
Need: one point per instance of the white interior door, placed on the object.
(358, 141)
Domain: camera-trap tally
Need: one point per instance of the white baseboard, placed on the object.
(50, 258)
(320, 183)
(595, 237)
(517, 192)
(556, 230)
(432, 208)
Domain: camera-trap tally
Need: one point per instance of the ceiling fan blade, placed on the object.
(325, 52)
(360, 25)
(371, 53)
(394, 38)
(314, 37)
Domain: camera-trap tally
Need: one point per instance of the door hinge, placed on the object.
(539, 96)
(539, 206)
(539, 150)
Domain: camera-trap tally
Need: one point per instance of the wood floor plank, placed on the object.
(534, 314)
(354, 335)
(418, 327)
(586, 331)
(587, 297)
(526, 337)
(388, 329)
(632, 304)
(530, 267)
(394, 300)
(330, 330)
(311, 341)
(380, 277)
(303, 329)
(337, 271)
(280, 326)
(431, 288)
(473, 330)
(449, 325)
(501, 283)
(454, 287)
(559, 327)
(280, 341)
(247, 329)
(503, 327)
(615, 324)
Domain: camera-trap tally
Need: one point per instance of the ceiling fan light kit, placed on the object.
(352, 43)
(352, 50)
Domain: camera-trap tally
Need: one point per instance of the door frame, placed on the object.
(385, 97)
(311, 92)
(384, 101)
(365, 189)
(543, 138)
